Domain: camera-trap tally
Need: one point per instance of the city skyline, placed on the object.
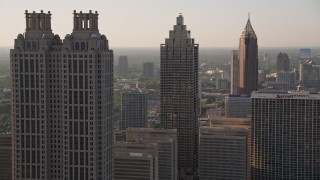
(214, 23)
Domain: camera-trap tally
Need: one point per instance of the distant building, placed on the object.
(283, 62)
(224, 151)
(248, 61)
(237, 106)
(288, 78)
(234, 72)
(167, 148)
(222, 84)
(123, 66)
(148, 70)
(305, 54)
(309, 74)
(134, 109)
(135, 161)
(5, 157)
(179, 104)
(275, 85)
(285, 136)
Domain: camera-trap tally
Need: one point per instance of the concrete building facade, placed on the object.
(135, 161)
(62, 101)
(224, 152)
(167, 148)
(179, 104)
(285, 135)
(134, 109)
(248, 61)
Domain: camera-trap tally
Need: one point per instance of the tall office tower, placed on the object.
(224, 152)
(134, 109)
(237, 106)
(148, 70)
(123, 66)
(234, 72)
(167, 148)
(285, 136)
(283, 62)
(135, 161)
(248, 61)
(286, 77)
(305, 54)
(5, 157)
(309, 74)
(179, 94)
(62, 101)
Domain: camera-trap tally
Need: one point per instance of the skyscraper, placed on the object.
(62, 101)
(283, 62)
(123, 66)
(148, 70)
(234, 72)
(179, 94)
(5, 156)
(248, 61)
(309, 74)
(133, 109)
(285, 136)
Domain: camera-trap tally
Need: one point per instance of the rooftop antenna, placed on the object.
(249, 15)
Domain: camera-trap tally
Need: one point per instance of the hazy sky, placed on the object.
(145, 23)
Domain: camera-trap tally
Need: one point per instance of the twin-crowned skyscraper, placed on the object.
(179, 94)
(62, 101)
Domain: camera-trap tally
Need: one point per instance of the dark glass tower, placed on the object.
(179, 94)
(248, 61)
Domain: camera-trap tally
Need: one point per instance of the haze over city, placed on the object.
(143, 23)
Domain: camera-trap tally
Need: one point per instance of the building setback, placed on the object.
(167, 148)
(248, 61)
(179, 94)
(285, 136)
(62, 101)
(5, 157)
(133, 109)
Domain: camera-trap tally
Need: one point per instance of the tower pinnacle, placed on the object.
(180, 19)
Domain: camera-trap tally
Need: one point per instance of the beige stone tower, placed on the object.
(62, 101)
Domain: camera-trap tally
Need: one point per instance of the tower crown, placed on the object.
(248, 30)
(180, 19)
(85, 21)
(38, 21)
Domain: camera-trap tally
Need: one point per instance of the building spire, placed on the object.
(180, 19)
(248, 30)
